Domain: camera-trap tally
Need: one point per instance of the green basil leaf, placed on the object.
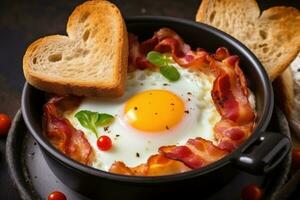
(155, 58)
(105, 119)
(92, 120)
(165, 64)
(158, 59)
(170, 73)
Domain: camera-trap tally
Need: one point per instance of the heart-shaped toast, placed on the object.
(273, 34)
(90, 61)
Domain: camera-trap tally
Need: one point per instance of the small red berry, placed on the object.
(56, 195)
(5, 123)
(104, 143)
(251, 192)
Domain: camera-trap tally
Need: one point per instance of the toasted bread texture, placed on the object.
(273, 35)
(90, 61)
(287, 89)
(284, 90)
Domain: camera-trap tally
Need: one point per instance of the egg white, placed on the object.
(134, 147)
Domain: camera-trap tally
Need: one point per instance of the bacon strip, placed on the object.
(63, 135)
(164, 40)
(156, 165)
(137, 54)
(183, 154)
(230, 96)
(196, 153)
(230, 92)
(230, 134)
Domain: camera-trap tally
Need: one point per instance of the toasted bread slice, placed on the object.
(284, 85)
(90, 61)
(273, 35)
(287, 89)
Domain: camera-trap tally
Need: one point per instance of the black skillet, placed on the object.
(34, 179)
(258, 155)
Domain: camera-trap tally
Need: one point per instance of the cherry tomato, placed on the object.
(296, 158)
(56, 195)
(104, 143)
(5, 123)
(251, 192)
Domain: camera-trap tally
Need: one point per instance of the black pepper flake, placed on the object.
(137, 155)
(142, 84)
(34, 143)
(189, 99)
(32, 154)
(135, 108)
(298, 70)
(187, 112)
(117, 135)
(167, 127)
(106, 128)
(150, 93)
(155, 113)
(165, 84)
(172, 104)
(189, 93)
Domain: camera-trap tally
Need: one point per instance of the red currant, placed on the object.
(56, 195)
(5, 123)
(104, 143)
(251, 192)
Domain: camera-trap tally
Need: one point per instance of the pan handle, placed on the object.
(264, 153)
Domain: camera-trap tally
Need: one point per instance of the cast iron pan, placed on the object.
(35, 180)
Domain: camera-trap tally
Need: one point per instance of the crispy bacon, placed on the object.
(230, 92)
(119, 167)
(184, 154)
(164, 40)
(196, 153)
(231, 134)
(230, 96)
(137, 54)
(63, 135)
(221, 54)
(156, 165)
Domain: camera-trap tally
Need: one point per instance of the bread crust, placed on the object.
(63, 86)
(286, 88)
(280, 67)
(284, 92)
(284, 20)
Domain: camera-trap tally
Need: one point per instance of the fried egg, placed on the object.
(152, 113)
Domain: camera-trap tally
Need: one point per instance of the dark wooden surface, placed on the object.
(23, 21)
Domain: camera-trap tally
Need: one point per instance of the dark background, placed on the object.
(23, 21)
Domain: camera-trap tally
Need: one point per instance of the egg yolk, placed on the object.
(154, 110)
